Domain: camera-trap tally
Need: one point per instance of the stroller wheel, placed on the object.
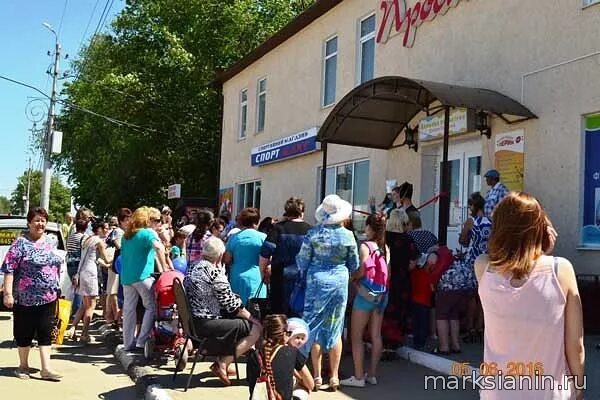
(149, 348)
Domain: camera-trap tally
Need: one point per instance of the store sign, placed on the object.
(288, 147)
(591, 192)
(431, 128)
(407, 19)
(509, 157)
(174, 191)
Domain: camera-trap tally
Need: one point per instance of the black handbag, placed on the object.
(259, 307)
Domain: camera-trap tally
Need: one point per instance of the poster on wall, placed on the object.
(509, 158)
(591, 197)
(226, 200)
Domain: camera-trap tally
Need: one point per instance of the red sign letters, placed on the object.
(407, 19)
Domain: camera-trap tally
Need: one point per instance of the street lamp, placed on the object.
(49, 27)
(47, 171)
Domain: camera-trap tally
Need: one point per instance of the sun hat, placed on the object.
(492, 173)
(297, 326)
(333, 210)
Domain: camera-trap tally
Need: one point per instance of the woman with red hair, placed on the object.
(531, 306)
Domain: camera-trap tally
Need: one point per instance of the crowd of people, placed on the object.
(396, 286)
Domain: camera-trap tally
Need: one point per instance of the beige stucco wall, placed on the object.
(490, 44)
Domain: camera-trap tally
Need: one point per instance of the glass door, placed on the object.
(465, 178)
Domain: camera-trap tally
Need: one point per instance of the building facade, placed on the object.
(543, 54)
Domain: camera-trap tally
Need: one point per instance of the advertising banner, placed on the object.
(591, 193)
(288, 147)
(509, 158)
(226, 200)
(432, 127)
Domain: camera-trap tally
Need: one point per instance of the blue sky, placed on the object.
(25, 43)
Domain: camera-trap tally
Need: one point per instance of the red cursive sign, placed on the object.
(406, 20)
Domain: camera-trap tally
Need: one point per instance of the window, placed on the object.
(351, 182)
(248, 195)
(261, 105)
(366, 49)
(590, 2)
(590, 236)
(330, 71)
(243, 113)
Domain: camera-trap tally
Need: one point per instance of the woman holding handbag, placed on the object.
(371, 280)
(279, 367)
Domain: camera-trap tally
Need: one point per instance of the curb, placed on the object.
(145, 382)
(436, 363)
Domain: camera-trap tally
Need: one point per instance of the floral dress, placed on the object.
(328, 255)
(36, 269)
(479, 235)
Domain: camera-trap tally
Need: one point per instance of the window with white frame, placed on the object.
(366, 49)
(350, 181)
(261, 105)
(590, 2)
(248, 195)
(330, 71)
(243, 113)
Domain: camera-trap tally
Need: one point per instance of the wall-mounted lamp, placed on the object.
(482, 124)
(411, 138)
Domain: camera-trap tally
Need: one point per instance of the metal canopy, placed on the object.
(374, 113)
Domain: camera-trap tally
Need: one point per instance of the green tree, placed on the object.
(4, 205)
(154, 71)
(60, 196)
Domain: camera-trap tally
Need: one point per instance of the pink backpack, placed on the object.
(376, 273)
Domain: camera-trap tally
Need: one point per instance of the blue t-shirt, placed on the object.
(137, 256)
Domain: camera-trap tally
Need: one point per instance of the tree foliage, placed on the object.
(60, 196)
(4, 205)
(154, 71)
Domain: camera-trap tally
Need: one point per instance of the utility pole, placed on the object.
(47, 171)
(28, 187)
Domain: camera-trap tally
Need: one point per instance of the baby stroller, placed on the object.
(166, 336)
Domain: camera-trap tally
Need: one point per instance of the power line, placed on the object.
(88, 24)
(24, 84)
(100, 20)
(62, 17)
(98, 26)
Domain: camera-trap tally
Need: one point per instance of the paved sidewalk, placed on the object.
(397, 379)
(90, 372)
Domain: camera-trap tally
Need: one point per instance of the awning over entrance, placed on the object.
(373, 114)
(376, 112)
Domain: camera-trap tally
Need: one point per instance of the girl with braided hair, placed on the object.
(284, 365)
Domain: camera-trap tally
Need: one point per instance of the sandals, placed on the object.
(218, 372)
(334, 384)
(51, 376)
(318, 383)
(230, 369)
(439, 352)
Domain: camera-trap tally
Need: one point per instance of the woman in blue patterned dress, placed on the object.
(327, 258)
(475, 234)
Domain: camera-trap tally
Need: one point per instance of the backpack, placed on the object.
(376, 268)
(73, 258)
